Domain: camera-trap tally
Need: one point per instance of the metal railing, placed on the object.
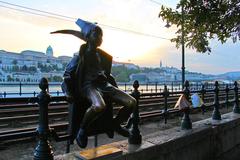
(23, 89)
(222, 96)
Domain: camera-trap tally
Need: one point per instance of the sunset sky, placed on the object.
(22, 31)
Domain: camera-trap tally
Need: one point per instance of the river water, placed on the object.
(30, 90)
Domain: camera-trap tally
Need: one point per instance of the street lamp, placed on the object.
(183, 46)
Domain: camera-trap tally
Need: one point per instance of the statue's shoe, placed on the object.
(110, 134)
(82, 138)
(121, 130)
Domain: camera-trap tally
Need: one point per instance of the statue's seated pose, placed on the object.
(88, 76)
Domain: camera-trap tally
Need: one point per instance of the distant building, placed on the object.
(14, 65)
(141, 77)
(49, 51)
(127, 65)
(64, 59)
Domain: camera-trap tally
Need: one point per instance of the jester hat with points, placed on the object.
(85, 26)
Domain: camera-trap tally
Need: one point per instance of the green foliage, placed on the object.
(15, 68)
(121, 73)
(24, 68)
(204, 20)
(9, 78)
(15, 62)
(48, 68)
(32, 69)
(55, 79)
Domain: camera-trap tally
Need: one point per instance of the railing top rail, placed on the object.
(63, 98)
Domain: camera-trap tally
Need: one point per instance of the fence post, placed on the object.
(43, 150)
(186, 121)
(203, 92)
(135, 136)
(165, 111)
(236, 108)
(125, 87)
(4, 94)
(20, 88)
(227, 96)
(156, 87)
(216, 114)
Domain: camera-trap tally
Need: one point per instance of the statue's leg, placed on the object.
(129, 103)
(97, 107)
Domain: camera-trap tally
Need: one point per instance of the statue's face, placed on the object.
(95, 37)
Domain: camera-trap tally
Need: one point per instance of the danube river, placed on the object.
(30, 90)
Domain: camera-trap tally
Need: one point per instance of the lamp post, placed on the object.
(183, 46)
(183, 50)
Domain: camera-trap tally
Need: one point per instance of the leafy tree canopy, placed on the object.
(204, 20)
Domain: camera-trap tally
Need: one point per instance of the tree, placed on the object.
(204, 20)
(15, 68)
(14, 62)
(32, 69)
(24, 68)
(57, 79)
(122, 73)
(9, 78)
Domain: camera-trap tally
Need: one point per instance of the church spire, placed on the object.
(160, 63)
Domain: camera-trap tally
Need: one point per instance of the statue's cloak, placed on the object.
(72, 85)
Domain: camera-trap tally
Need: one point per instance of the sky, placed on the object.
(25, 31)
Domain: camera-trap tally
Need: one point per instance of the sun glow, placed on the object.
(125, 46)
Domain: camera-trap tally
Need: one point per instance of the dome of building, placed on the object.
(49, 51)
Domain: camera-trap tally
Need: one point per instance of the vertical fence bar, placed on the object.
(203, 92)
(236, 108)
(43, 151)
(147, 87)
(156, 87)
(227, 96)
(95, 140)
(20, 88)
(216, 114)
(186, 121)
(165, 111)
(135, 136)
(125, 87)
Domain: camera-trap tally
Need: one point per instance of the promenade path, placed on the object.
(24, 150)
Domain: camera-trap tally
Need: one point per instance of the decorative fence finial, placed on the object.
(236, 108)
(216, 114)
(135, 136)
(43, 151)
(186, 121)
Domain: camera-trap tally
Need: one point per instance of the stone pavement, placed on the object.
(207, 140)
(24, 151)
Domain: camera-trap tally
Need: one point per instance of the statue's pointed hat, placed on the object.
(85, 26)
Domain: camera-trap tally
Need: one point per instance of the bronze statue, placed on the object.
(88, 76)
